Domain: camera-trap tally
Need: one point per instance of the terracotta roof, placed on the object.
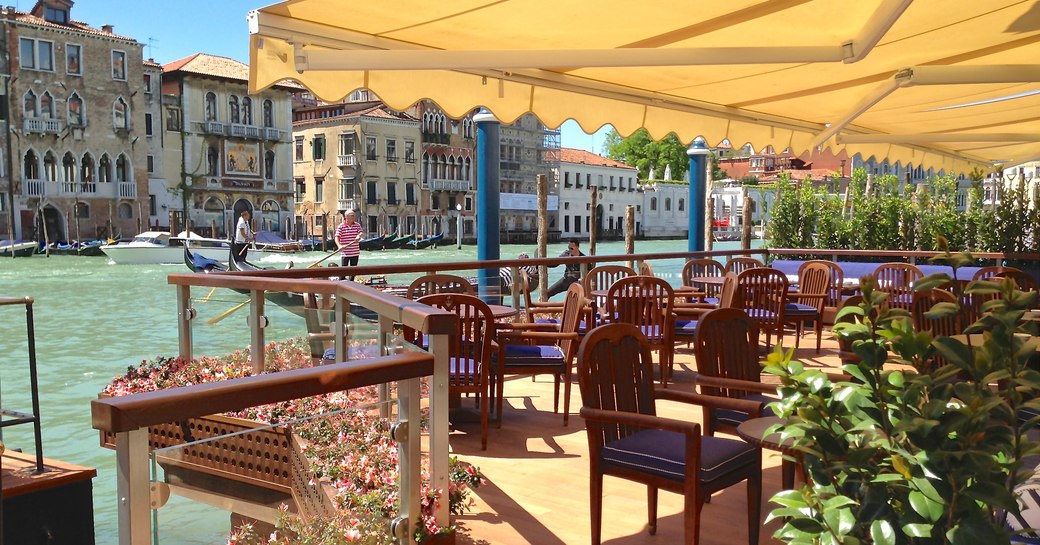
(217, 66)
(152, 63)
(582, 157)
(77, 26)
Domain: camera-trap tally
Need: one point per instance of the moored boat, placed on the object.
(159, 248)
(200, 263)
(398, 242)
(374, 243)
(19, 249)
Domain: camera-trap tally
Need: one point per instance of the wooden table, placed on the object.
(681, 291)
(754, 431)
(501, 312)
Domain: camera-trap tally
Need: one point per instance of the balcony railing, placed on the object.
(349, 160)
(127, 190)
(243, 131)
(210, 127)
(273, 134)
(81, 188)
(346, 204)
(34, 188)
(42, 125)
(437, 184)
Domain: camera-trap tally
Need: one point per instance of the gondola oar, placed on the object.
(226, 313)
(316, 263)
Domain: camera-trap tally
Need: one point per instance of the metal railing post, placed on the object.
(185, 314)
(133, 488)
(406, 433)
(257, 323)
(386, 336)
(439, 399)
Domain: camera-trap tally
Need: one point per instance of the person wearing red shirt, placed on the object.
(348, 239)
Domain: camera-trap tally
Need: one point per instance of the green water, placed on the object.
(94, 319)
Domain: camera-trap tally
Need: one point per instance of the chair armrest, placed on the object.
(753, 408)
(507, 336)
(798, 294)
(690, 311)
(507, 327)
(640, 420)
(733, 383)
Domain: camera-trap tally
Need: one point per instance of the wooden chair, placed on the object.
(534, 308)
(1022, 279)
(703, 268)
(646, 302)
(530, 352)
(939, 327)
(740, 264)
(726, 347)
(897, 280)
(629, 441)
(762, 293)
(438, 283)
(601, 278)
(469, 349)
(985, 273)
(814, 287)
(834, 294)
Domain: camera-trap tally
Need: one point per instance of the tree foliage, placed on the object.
(642, 152)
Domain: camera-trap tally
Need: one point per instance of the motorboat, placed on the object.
(19, 249)
(159, 248)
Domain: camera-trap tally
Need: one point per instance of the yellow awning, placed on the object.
(951, 84)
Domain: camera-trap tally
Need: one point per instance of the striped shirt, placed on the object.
(346, 237)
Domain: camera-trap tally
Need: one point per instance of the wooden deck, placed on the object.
(537, 473)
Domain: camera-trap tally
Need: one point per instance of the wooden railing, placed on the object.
(129, 416)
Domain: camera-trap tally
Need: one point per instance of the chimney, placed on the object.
(107, 28)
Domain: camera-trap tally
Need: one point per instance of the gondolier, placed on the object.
(348, 239)
(243, 236)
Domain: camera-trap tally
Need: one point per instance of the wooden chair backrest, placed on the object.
(600, 278)
(897, 280)
(573, 304)
(696, 268)
(836, 283)
(641, 300)
(728, 293)
(923, 302)
(986, 273)
(615, 372)
(740, 264)
(1022, 279)
(438, 283)
(814, 278)
(762, 289)
(726, 346)
(470, 346)
(525, 288)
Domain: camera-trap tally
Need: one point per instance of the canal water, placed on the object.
(94, 319)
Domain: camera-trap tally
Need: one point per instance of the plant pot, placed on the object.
(314, 497)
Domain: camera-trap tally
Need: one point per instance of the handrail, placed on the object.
(363, 270)
(429, 320)
(15, 301)
(137, 411)
(898, 253)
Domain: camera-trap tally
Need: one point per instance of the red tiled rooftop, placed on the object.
(217, 66)
(582, 157)
(77, 26)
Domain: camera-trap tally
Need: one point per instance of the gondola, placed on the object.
(374, 243)
(398, 242)
(199, 263)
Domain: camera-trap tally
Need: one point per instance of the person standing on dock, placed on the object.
(348, 239)
(573, 272)
(243, 236)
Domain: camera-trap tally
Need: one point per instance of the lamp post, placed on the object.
(458, 226)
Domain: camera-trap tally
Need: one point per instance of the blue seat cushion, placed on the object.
(582, 328)
(729, 417)
(662, 453)
(797, 310)
(546, 320)
(527, 355)
(760, 314)
(685, 329)
(461, 367)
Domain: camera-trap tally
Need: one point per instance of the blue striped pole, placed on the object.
(487, 202)
(698, 154)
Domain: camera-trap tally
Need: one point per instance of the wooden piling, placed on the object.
(630, 232)
(543, 236)
(593, 219)
(709, 224)
(745, 222)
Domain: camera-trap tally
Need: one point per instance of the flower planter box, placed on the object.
(260, 457)
(313, 496)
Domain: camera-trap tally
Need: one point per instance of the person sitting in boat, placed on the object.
(506, 275)
(243, 236)
(572, 273)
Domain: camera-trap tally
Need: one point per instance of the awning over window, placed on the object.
(946, 83)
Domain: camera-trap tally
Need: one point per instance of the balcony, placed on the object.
(210, 127)
(127, 190)
(349, 160)
(436, 138)
(34, 188)
(437, 184)
(273, 134)
(43, 125)
(79, 188)
(243, 131)
(346, 204)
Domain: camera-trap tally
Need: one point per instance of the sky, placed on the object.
(174, 30)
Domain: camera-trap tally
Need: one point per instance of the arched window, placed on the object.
(213, 204)
(269, 165)
(268, 113)
(232, 108)
(50, 167)
(86, 169)
(211, 106)
(125, 211)
(247, 111)
(653, 203)
(668, 204)
(425, 165)
(682, 205)
(68, 167)
(31, 166)
(444, 167)
(105, 169)
(212, 159)
(29, 104)
(120, 114)
(47, 106)
(77, 116)
(122, 169)
(469, 168)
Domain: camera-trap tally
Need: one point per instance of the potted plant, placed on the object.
(912, 452)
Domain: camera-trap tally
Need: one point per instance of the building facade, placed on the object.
(76, 109)
(358, 156)
(449, 166)
(666, 210)
(616, 185)
(224, 150)
(526, 149)
(160, 199)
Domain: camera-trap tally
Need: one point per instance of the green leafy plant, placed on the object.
(902, 449)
